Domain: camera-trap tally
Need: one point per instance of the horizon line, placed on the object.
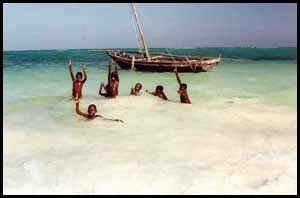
(252, 47)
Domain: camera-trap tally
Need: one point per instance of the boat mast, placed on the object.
(140, 31)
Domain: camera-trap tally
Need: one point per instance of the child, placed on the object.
(136, 90)
(78, 82)
(159, 92)
(92, 110)
(182, 89)
(111, 89)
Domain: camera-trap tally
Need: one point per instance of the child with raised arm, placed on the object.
(136, 90)
(91, 112)
(159, 92)
(77, 82)
(112, 88)
(182, 89)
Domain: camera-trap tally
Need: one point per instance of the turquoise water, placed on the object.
(238, 136)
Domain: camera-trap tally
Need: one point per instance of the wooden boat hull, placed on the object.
(142, 61)
(165, 66)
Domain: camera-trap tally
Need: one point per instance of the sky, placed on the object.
(33, 26)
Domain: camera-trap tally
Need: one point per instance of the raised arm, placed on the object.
(77, 109)
(100, 89)
(152, 93)
(132, 91)
(109, 71)
(116, 120)
(84, 73)
(116, 69)
(71, 70)
(177, 76)
(164, 96)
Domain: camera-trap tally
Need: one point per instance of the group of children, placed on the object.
(112, 87)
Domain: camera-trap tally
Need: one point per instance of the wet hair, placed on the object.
(115, 75)
(159, 87)
(79, 73)
(90, 106)
(183, 85)
(139, 85)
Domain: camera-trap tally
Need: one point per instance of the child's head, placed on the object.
(159, 89)
(183, 86)
(79, 76)
(92, 110)
(114, 76)
(138, 86)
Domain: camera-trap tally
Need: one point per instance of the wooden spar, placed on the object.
(132, 62)
(140, 31)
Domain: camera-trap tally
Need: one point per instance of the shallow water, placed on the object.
(239, 135)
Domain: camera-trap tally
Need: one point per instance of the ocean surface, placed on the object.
(239, 135)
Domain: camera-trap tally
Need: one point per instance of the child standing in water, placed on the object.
(91, 112)
(77, 82)
(159, 92)
(112, 88)
(182, 89)
(136, 90)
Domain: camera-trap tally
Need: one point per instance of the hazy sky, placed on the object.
(81, 26)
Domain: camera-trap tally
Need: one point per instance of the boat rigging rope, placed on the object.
(136, 34)
(153, 33)
(170, 54)
(194, 69)
(147, 19)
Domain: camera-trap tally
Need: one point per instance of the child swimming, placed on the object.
(136, 90)
(159, 92)
(112, 88)
(91, 112)
(77, 82)
(182, 89)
